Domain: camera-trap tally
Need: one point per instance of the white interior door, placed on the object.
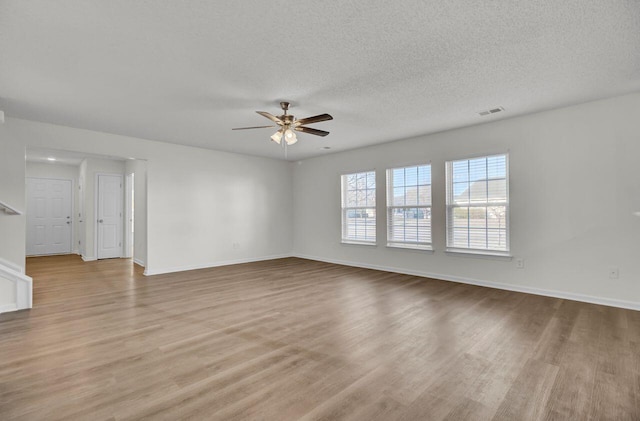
(109, 216)
(49, 211)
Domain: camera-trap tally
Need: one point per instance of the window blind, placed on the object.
(409, 207)
(478, 204)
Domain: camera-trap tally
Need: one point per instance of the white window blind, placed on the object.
(478, 205)
(409, 207)
(359, 207)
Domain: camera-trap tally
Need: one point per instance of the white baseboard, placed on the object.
(631, 305)
(160, 271)
(139, 262)
(88, 259)
(4, 308)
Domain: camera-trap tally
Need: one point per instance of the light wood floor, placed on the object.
(293, 339)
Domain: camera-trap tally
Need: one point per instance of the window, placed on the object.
(478, 205)
(409, 207)
(359, 207)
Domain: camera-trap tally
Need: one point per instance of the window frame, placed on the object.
(345, 209)
(451, 205)
(391, 207)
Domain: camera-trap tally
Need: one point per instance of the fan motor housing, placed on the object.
(286, 118)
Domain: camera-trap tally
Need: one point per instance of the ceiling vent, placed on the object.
(491, 111)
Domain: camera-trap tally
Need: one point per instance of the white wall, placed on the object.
(63, 172)
(12, 192)
(199, 202)
(208, 207)
(574, 186)
(52, 170)
(12, 227)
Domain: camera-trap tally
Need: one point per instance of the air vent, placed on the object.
(491, 111)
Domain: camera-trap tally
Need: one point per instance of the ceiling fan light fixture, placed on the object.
(292, 141)
(277, 137)
(288, 123)
(290, 137)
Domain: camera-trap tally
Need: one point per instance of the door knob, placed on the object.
(100, 220)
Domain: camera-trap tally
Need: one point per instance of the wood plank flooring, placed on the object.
(293, 339)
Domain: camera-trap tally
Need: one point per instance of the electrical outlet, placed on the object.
(520, 263)
(614, 273)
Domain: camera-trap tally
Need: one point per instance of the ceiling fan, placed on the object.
(288, 124)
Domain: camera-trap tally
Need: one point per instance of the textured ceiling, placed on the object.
(188, 71)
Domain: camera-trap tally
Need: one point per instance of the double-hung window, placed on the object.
(409, 207)
(478, 205)
(359, 208)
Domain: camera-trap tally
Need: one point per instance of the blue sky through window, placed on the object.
(467, 171)
(412, 176)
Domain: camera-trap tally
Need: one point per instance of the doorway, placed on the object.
(109, 216)
(49, 216)
(89, 238)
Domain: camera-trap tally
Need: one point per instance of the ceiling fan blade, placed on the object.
(311, 131)
(314, 119)
(255, 127)
(270, 117)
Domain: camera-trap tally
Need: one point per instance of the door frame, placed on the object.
(96, 197)
(129, 200)
(72, 249)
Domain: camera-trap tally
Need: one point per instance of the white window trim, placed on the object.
(449, 188)
(480, 253)
(345, 209)
(358, 243)
(410, 246)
